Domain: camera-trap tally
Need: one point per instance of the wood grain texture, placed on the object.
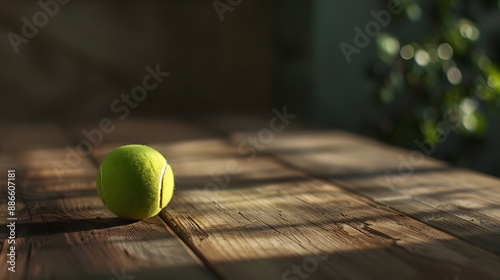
(461, 202)
(136, 131)
(283, 214)
(262, 220)
(65, 232)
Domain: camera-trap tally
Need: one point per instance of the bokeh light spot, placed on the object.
(454, 75)
(493, 81)
(422, 57)
(468, 30)
(407, 52)
(468, 105)
(469, 122)
(445, 51)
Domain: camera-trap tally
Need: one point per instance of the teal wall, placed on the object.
(341, 89)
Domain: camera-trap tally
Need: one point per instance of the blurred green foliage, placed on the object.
(443, 82)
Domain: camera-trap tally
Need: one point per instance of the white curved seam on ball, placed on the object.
(161, 182)
(102, 188)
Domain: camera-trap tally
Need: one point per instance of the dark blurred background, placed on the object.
(432, 69)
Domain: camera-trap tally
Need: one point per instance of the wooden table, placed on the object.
(309, 204)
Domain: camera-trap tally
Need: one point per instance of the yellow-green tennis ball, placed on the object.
(135, 182)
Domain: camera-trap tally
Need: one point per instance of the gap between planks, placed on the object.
(58, 236)
(344, 159)
(127, 130)
(291, 242)
(262, 221)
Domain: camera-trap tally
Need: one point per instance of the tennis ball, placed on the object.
(135, 182)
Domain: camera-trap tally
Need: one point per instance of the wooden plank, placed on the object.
(265, 220)
(65, 232)
(460, 202)
(246, 122)
(136, 131)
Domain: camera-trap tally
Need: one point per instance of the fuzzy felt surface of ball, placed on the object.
(135, 182)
